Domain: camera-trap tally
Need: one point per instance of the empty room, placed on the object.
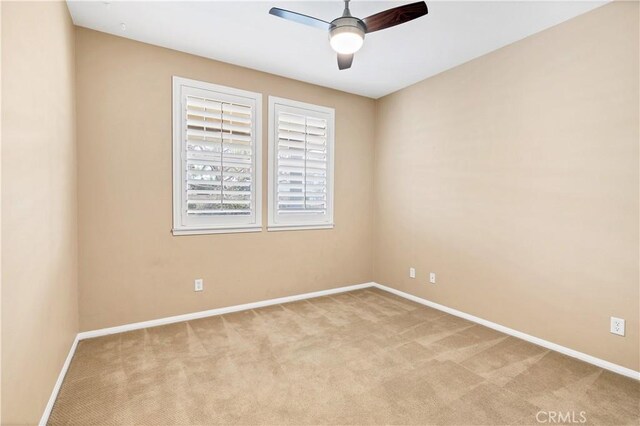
(320, 212)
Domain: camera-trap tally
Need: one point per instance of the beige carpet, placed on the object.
(364, 357)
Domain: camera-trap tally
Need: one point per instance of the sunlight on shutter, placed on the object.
(218, 159)
(302, 164)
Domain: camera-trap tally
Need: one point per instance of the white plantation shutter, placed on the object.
(301, 165)
(216, 158)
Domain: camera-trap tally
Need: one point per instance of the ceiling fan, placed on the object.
(346, 33)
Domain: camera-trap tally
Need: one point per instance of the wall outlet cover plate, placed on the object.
(198, 285)
(617, 326)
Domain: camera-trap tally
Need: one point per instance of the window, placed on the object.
(216, 159)
(300, 165)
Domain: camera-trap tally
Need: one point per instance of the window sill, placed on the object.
(179, 232)
(299, 227)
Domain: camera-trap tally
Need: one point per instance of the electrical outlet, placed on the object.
(198, 285)
(432, 277)
(617, 326)
(412, 272)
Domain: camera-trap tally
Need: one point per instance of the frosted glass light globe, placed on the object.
(346, 40)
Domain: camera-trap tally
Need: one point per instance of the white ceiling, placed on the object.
(243, 33)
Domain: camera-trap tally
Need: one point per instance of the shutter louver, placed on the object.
(302, 164)
(218, 158)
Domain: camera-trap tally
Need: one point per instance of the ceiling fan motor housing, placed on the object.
(348, 30)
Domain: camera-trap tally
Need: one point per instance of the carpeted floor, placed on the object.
(364, 357)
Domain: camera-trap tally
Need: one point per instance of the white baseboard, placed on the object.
(178, 318)
(56, 388)
(218, 311)
(506, 330)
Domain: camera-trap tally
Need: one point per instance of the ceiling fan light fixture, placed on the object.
(346, 33)
(346, 39)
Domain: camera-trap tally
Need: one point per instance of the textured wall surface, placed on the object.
(39, 204)
(514, 177)
(131, 267)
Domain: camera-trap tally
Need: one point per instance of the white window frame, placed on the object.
(221, 224)
(308, 222)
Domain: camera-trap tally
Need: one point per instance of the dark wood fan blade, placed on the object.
(300, 18)
(345, 60)
(396, 16)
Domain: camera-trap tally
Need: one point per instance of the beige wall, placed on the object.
(39, 231)
(0, 213)
(514, 177)
(131, 267)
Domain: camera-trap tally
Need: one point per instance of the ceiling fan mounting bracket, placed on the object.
(346, 11)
